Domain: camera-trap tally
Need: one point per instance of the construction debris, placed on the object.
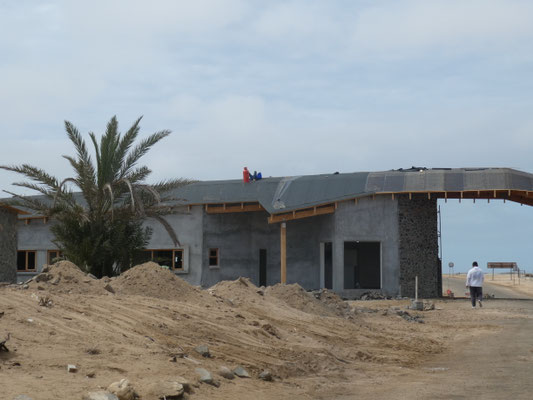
(373, 295)
(3, 343)
(123, 390)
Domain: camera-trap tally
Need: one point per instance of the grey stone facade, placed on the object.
(418, 246)
(8, 246)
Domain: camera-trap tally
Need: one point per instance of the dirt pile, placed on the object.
(66, 277)
(333, 301)
(296, 297)
(150, 279)
(239, 292)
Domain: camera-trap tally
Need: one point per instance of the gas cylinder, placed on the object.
(245, 175)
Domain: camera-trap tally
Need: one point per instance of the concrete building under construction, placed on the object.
(349, 232)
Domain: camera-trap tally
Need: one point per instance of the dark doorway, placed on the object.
(328, 265)
(262, 267)
(362, 265)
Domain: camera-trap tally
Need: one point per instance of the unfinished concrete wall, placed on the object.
(35, 236)
(368, 220)
(8, 246)
(240, 236)
(188, 226)
(419, 246)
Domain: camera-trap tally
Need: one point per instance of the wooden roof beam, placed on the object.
(299, 214)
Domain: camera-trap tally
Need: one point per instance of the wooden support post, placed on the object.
(283, 252)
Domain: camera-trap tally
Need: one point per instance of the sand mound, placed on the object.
(66, 277)
(150, 279)
(296, 297)
(239, 291)
(333, 301)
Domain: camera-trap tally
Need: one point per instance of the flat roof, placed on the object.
(283, 194)
(278, 195)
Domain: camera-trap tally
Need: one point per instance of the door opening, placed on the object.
(328, 265)
(362, 265)
(262, 267)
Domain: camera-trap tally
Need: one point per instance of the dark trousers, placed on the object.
(476, 292)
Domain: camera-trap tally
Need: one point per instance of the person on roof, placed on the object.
(474, 281)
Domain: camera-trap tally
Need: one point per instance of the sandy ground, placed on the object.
(315, 348)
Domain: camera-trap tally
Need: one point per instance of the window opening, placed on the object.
(169, 258)
(26, 260)
(213, 257)
(54, 256)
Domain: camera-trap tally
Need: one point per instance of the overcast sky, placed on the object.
(286, 88)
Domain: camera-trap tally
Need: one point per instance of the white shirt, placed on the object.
(475, 277)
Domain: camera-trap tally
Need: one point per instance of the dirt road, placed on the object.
(457, 285)
(495, 366)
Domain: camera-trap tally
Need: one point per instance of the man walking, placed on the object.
(474, 281)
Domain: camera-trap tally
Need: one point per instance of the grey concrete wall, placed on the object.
(368, 220)
(188, 226)
(8, 246)
(239, 237)
(35, 236)
(419, 246)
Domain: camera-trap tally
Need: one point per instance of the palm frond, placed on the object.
(38, 188)
(86, 172)
(125, 144)
(171, 184)
(139, 174)
(171, 232)
(33, 173)
(140, 150)
(31, 203)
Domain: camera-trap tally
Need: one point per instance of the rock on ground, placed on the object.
(203, 350)
(225, 372)
(101, 395)
(266, 375)
(206, 377)
(241, 372)
(123, 390)
(168, 390)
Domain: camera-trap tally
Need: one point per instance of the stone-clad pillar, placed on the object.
(8, 246)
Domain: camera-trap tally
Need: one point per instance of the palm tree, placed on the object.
(99, 225)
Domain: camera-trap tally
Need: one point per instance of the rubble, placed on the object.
(123, 390)
(373, 295)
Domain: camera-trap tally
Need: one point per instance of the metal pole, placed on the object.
(283, 244)
(416, 287)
